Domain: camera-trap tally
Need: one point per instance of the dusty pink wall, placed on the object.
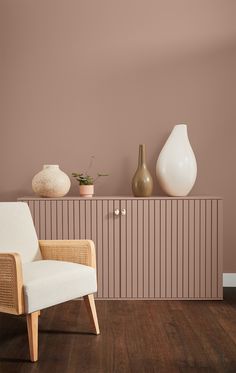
(99, 77)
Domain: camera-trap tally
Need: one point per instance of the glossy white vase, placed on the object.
(176, 167)
(51, 182)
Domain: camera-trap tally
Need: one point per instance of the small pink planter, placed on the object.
(86, 191)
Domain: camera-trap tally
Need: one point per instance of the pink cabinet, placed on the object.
(156, 248)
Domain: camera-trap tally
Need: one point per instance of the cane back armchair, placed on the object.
(38, 274)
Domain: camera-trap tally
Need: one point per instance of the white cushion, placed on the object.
(50, 282)
(17, 232)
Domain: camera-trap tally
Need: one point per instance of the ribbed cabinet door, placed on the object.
(171, 249)
(85, 219)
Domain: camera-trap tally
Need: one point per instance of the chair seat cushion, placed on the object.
(50, 282)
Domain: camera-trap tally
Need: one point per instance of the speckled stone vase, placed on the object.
(142, 184)
(51, 182)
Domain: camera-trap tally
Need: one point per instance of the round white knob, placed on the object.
(123, 212)
(117, 212)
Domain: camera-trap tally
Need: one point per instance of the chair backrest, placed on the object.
(17, 232)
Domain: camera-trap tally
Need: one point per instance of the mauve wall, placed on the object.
(99, 77)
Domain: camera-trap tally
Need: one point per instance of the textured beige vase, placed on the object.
(142, 184)
(51, 182)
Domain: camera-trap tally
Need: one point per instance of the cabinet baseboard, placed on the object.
(229, 279)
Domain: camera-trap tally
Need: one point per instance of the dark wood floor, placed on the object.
(136, 336)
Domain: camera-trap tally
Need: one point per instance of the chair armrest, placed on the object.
(11, 284)
(76, 251)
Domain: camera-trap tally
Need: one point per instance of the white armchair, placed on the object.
(38, 274)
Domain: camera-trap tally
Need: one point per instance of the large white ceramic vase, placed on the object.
(176, 167)
(51, 182)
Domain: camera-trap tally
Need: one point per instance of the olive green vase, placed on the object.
(142, 184)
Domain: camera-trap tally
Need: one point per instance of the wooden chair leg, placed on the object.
(91, 308)
(32, 326)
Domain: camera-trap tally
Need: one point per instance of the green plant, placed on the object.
(84, 178)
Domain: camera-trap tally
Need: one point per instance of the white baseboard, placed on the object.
(229, 279)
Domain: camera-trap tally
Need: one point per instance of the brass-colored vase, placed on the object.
(142, 184)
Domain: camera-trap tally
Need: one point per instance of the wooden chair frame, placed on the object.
(11, 282)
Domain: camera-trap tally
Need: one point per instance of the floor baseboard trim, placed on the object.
(229, 279)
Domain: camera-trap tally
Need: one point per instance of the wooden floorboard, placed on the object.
(136, 337)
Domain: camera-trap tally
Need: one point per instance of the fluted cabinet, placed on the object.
(147, 248)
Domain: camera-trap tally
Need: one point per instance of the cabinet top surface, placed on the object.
(71, 198)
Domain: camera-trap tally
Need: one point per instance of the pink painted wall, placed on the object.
(99, 77)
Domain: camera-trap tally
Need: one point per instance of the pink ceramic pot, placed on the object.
(86, 191)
